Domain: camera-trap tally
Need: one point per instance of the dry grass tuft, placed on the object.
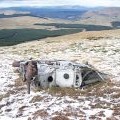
(60, 117)
(40, 113)
(91, 90)
(64, 91)
(19, 82)
(36, 99)
(105, 90)
(22, 108)
(3, 96)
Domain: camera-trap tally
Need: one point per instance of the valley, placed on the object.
(24, 24)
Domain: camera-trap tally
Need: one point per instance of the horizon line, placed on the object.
(57, 6)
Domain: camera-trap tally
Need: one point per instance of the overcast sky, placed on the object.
(91, 3)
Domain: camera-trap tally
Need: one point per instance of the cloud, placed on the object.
(12, 3)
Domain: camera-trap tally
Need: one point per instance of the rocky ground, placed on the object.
(97, 102)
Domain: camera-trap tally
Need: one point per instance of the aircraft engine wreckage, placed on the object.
(61, 73)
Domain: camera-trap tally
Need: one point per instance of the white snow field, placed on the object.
(97, 102)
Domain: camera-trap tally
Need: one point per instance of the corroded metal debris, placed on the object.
(60, 73)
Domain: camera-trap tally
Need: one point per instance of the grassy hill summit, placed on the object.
(99, 48)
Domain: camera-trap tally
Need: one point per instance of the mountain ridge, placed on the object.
(87, 15)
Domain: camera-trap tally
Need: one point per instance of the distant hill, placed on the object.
(101, 16)
(11, 12)
(98, 15)
(60, 12)
(4, 13)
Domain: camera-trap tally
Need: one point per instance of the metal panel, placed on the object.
(65, 77)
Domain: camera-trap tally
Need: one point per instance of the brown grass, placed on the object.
(22, 108)
(40, 113)
(62, 91)
(19, 82)
(36, 99)
(60, 117)
(3, 96)
(98, 89)
(26, 22)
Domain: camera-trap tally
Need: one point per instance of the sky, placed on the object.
(90, 3)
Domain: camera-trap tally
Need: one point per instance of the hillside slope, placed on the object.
(100, 101)
(24, 22)
(103, 16)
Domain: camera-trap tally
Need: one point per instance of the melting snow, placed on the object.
(18, 106)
